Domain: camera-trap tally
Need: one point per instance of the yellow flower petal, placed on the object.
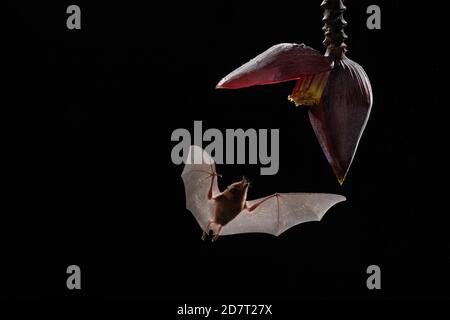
(308, 90)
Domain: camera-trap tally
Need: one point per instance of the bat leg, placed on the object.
(254, 206)
(216, 236)
(206, 232)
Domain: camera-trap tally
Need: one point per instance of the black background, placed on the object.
(87, 178)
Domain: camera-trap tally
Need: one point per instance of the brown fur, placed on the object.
(230, 202)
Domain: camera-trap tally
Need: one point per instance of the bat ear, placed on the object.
(245, 182)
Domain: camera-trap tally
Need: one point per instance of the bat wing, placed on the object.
(281, 212)
(199, 171)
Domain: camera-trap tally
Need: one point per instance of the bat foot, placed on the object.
(206, 231)
(216, 236)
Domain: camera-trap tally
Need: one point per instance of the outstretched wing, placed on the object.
(198, 173)
(281, 212)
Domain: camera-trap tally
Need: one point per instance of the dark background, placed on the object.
(87, 179)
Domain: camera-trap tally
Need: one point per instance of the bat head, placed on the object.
(238, 190)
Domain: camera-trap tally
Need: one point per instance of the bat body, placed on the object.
(229, 212)
(230, 203)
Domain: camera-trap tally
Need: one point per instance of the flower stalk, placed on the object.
(334, 23)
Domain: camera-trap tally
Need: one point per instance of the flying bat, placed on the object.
(228, 212)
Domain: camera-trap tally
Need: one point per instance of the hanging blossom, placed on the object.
(335, 89)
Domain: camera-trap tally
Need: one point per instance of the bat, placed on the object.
(229, 212)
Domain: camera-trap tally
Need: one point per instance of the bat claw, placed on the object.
(216, 236)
